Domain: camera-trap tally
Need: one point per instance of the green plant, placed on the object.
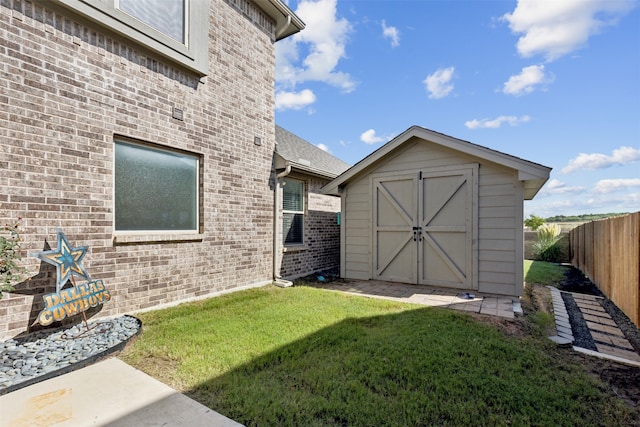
(546, 247)
(534, 222)
(10, 271)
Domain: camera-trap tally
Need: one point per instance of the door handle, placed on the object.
(417, 234)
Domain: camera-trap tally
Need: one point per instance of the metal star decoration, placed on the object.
(66, 259)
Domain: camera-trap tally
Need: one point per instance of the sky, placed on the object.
(552, 82)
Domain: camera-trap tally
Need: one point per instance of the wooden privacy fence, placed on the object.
(608, 252)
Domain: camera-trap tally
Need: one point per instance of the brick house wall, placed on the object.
(67, 87)
(321, 247)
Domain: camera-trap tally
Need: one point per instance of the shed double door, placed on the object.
(423, 227)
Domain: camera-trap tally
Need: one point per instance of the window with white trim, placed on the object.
(293, 211)
(156, 189)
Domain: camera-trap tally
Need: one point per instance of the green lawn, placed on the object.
(306, 357)
(543, 273)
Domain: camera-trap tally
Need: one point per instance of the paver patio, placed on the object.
(426, 295)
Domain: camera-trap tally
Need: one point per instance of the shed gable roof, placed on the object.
(306, 157)
(532, 174)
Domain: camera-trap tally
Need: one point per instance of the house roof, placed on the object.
(287, 23)
(305, 157)
(532, 174)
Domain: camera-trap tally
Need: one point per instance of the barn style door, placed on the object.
(424, 227)
(395, 220)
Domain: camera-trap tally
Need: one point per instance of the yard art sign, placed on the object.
(76, 299)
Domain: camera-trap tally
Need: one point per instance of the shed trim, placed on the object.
(533, 175)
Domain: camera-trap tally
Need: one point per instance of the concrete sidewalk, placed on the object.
(107, 393)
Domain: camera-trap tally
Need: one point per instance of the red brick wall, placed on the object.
(67, 88)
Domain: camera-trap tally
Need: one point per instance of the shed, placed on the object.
(427, 208)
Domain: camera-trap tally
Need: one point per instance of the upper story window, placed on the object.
(166, 16)
(155, 189)
(293, 211)
(175, 29)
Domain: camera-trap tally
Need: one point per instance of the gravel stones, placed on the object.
(27, 360)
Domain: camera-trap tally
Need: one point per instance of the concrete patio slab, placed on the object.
(108, 393)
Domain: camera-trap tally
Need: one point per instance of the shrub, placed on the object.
(547, 248)
(10, 270)
(534, 222)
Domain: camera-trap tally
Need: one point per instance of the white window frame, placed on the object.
(296, 212)
(192, 54)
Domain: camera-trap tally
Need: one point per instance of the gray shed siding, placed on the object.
(499, 222)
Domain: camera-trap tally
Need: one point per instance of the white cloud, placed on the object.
(370, 137)
(324, 148)
(611, 185)
(555, 187)
(619, 156)
(439, 83)
(527, 81)
(556, 28)
(497, 122)
(314, 53)
(579, 204)
(616, 203)
(391, 33)
(294, 100)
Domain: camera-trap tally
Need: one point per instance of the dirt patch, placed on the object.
(516, 328)
(622, 380)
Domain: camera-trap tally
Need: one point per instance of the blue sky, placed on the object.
(552, 82)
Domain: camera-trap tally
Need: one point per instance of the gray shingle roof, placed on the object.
(305, 156)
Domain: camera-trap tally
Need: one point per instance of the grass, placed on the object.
(304, 356)
(543, 273)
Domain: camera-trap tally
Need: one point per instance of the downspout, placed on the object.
(276, 203)
(284, 27)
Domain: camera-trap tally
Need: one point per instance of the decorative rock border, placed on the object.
(610, 341)
(46, 354)
(565, 334)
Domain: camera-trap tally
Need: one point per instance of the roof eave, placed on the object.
(533, 175)
(310, 170)
(287, 22)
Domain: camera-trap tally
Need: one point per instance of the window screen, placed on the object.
(166, 16)
(293, 211)
(155, 189)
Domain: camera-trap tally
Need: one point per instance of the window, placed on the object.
(155, 189)
(165, 16)
(175, 29)
(292, 211)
